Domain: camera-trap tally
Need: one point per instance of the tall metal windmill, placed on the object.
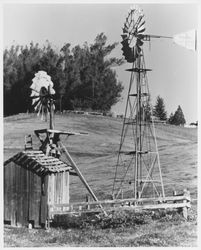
(138, 171)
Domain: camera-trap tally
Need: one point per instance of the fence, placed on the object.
(173, 202)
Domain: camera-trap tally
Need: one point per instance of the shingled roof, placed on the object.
(38, 162)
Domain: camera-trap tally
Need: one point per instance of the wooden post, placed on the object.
(88, 200)
(185, 209)
(174, 193)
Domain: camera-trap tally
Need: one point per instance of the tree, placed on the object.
(20, 65)
(171, 118)
(159, 109)
(82, 76)
(94, 84)
(178, 118)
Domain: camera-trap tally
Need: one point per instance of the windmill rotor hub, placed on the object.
(43, 91)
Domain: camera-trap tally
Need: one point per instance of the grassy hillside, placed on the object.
(96, 155)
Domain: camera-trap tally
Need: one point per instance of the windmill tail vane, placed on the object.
(187, 39)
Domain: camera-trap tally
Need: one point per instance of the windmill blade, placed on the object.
(37, 100)
(34, 91)
(34, 97)
(38, 106)
(142, 30)
(36, 103)
(141, 25)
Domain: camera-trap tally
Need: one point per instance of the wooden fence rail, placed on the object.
(172, 202)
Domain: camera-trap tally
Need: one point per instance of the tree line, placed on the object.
(83, 76)
(159, 111)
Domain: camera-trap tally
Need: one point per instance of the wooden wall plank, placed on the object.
(18, 194)
(15, 203)
(21, 186)
(53, 184)
(50, 189)
(31, 176)
(33, 200)
(44, 201)
(6, 192)
(27, 193)
(13, 194)
(24, 198)
(60, 188)
(63, 187)
(22, 174)
(55, 188)
(38, 199)
(67, 195)
(34, 197)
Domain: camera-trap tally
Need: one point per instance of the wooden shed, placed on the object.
(33, 180)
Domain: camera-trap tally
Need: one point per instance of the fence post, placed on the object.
(88, 200)
(185, 209)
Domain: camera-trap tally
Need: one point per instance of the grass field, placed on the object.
(96, 155)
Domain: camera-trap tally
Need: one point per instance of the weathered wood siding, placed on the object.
(58, 188)
(22, 194)
(44, 198)
(34, 198)
(27, 194)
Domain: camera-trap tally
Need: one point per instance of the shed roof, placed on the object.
(38, 162)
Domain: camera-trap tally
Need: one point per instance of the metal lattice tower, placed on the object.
(138, 171)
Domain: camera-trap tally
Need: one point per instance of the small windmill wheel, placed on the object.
(42, 94)
(133, 34)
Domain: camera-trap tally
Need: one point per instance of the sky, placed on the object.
(174, 68)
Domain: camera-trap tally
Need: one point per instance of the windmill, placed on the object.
(42, 94)
(138, 171)
(51, 144)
